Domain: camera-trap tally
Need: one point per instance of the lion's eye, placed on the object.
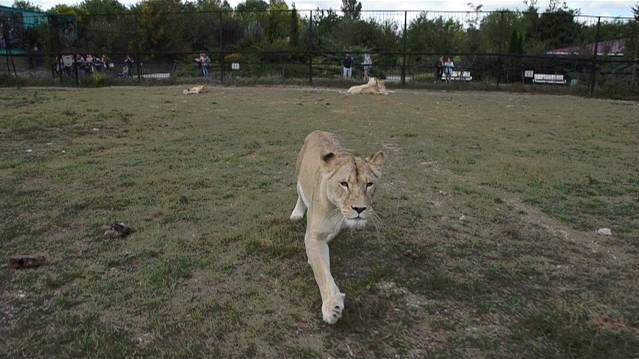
(344, 184)
(369, 184)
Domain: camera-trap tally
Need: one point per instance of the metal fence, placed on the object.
(562, 50)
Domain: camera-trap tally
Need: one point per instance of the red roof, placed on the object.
(609, 48)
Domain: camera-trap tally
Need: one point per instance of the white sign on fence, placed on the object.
(235, 66)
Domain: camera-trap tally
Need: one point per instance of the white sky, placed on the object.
(592, 7)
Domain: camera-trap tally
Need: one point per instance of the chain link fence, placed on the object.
(559, 50)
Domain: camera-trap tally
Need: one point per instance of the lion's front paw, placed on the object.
(296, 216)
(332, 308)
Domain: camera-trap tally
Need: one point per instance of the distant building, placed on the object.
(13, 23)
(604, 48)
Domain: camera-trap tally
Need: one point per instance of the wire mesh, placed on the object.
(405, 47)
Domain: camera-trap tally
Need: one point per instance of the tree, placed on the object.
(473, 22)
(494, 30)
(252, 5)
(26, 5)
(278, 21)
(208, 5)
(438, 35)
(351, 9)
(558, 28)
(102, 7)
(516, 44)
(62, 9)
(295, 27)
(635, 11)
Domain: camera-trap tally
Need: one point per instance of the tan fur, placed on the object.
(335, 189)
(373, 87)
(196, 90)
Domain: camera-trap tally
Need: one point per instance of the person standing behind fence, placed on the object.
(105, 60)
(128, 64)
(448, 69)
(439, 69)
(89, 63)
(348, 67)
(367, 65)
(203, 62)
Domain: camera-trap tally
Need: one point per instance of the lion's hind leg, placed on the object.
(300, 206)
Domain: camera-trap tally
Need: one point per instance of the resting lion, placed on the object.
(373, 87)
(196, 90)
(336, 188)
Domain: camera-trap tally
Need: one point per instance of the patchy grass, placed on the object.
(489, 205)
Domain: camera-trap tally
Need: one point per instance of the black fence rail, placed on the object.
(586, 54)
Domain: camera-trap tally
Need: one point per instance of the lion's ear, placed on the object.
(376, 160)
(327, 158)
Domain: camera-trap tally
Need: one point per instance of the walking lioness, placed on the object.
(336, 188)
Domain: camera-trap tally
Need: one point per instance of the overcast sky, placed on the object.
(591, 7)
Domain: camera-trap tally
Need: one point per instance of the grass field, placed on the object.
(489, 204)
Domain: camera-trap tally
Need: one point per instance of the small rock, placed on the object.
(604, 231)
(95, 129)
(29, 150)
(26, 261)
(410, 254)
(462, 217)
(117, 230)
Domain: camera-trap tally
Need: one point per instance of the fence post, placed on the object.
(6, 56)
(60, 66)
(500, 47)
(593, 72)
(404, 50)
(310, 48)
(13, 64)
(220, 45)
(635, 57)
(75, 69)
(138, 62)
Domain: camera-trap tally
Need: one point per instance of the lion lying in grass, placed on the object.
(196, 90)
(335, 190)
(373, 87)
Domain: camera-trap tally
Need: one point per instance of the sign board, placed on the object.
(529, 74)
(235, 66)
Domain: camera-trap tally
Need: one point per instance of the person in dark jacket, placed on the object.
(347, 64)
(439, 69)
(128, 65)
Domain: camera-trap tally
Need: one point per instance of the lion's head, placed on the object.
(381, 85)
(351, 183)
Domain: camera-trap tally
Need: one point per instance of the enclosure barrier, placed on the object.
(501, 49)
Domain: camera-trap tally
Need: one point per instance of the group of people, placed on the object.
(347, 66)
(444, 69)
(88, 64)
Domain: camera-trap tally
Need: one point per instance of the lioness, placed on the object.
(337, 188)
(196, 90)
(374, 87)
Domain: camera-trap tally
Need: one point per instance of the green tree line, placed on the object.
(171, 27)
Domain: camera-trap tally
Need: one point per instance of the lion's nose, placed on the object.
(359, 209)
